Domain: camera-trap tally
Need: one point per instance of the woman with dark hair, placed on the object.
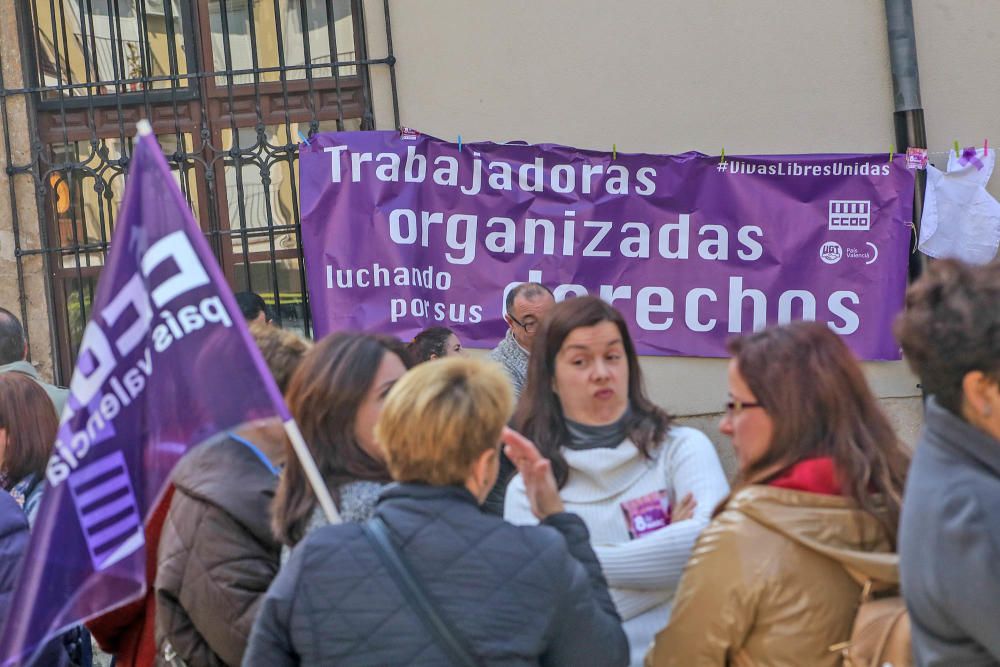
(644, 487)
(434, 343)
(949, 543)
(776, 578)
(336, 396)
(28, 426)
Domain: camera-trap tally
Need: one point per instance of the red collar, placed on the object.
(811, 475)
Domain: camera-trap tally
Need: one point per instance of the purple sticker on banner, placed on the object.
(405, 232)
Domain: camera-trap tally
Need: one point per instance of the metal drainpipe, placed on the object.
(908, 116)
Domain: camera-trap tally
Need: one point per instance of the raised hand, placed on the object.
(536, 471)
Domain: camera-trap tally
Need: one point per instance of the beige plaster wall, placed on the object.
(958, 49)
(667, 76)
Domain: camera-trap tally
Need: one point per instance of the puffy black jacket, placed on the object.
(517, 595)
(14, 539)
(13, 542)
(217, 555)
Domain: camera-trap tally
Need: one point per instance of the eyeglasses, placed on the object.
(734, 408)
(529, 327)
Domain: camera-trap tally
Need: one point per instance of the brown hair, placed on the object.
(951, 326)
(427, 343)
(28, 417)
(282, 350)
(813, 389)
(440, 418)
(539, 413)
(324, 395)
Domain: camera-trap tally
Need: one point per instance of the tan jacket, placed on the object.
(768, 582)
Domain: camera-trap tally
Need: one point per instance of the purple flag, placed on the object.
(403, 231)
(165, 363)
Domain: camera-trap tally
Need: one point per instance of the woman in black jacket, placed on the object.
(511, 595)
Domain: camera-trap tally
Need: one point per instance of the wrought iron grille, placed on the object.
(230, 87)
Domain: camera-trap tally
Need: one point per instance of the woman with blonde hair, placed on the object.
(776, 578)
(501, 594)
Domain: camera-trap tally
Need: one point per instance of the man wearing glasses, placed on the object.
(527, 305)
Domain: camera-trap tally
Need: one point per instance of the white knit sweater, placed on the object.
(642, 573)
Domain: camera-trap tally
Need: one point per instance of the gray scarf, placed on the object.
(584, 436)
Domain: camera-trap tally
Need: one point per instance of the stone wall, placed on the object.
(23, 211)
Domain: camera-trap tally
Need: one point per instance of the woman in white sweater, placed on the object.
(620, 464)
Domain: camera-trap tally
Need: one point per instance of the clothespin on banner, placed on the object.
(986, 147)
(722, 158)
(303, 137)
(460, 143)
(892, 149)
(614, 151)
(957, 154)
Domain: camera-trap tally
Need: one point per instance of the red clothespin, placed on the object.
(986, 147)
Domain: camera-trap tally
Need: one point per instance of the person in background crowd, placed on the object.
(526, 308)
(818, 493)
(13, 542)
(336, 396)
(434, 343)
(28, 426)
(950, 530)
(14, 358)
(618, 460)
(511, 595)
(253, 307)
(128, 633)
(217, 555)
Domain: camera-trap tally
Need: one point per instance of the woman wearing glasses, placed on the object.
(644, 487)
(818, 493)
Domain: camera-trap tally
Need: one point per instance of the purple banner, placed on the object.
(166, 362)
(402, 231)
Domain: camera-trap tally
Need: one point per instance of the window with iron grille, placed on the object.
(230, 87)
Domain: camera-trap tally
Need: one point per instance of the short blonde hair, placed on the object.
(439, 418)
(282, 350)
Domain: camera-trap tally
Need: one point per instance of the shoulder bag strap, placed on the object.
(377, 533)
